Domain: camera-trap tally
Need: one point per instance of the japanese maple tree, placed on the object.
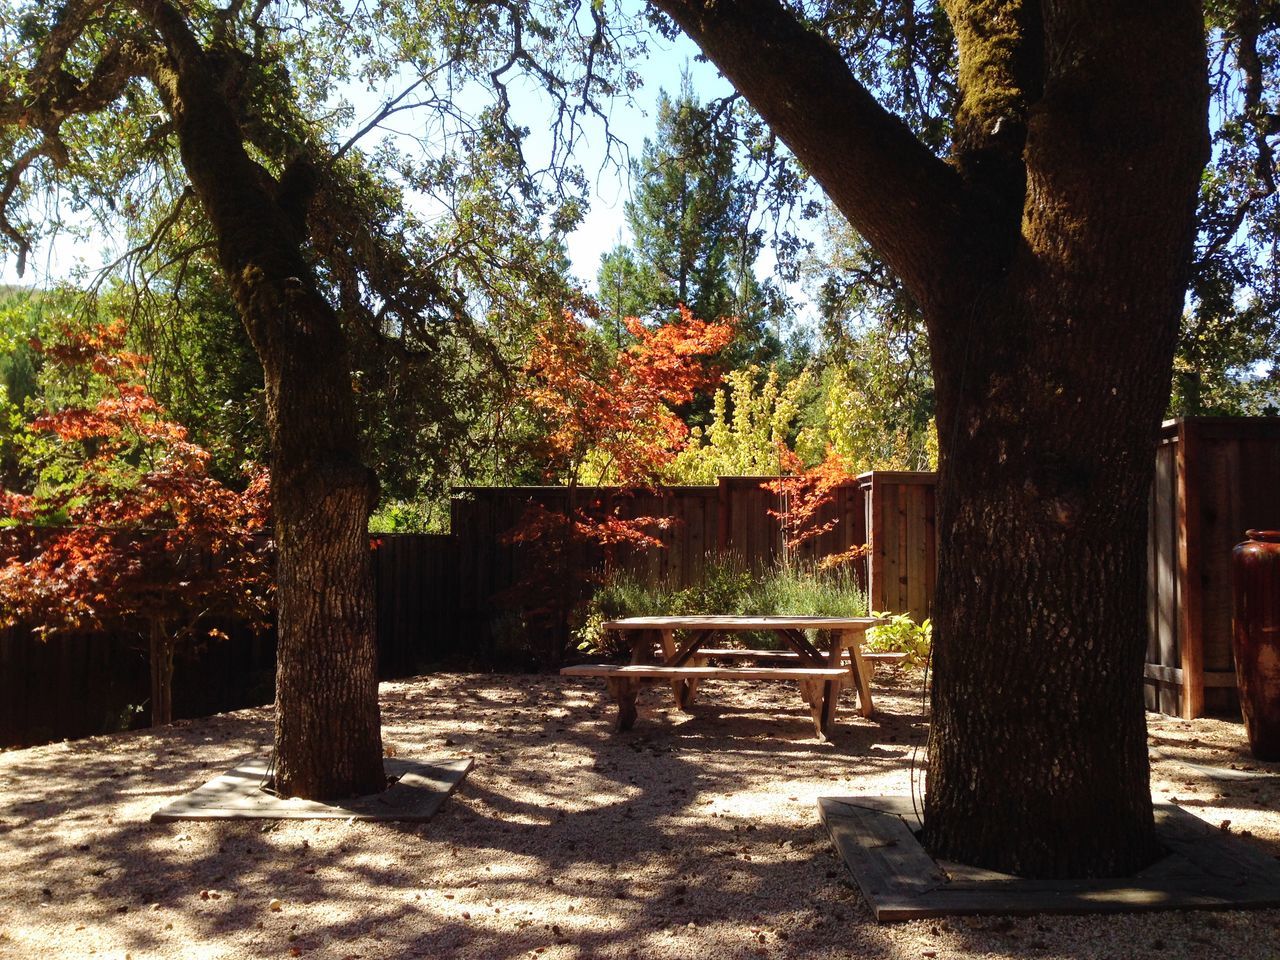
(125, 528)
(607, 417)
(806, 495)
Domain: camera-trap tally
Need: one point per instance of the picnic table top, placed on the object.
(721, 622)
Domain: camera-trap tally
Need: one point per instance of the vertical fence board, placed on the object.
(1165, 538)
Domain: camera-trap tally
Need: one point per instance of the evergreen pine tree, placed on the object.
(692, 241)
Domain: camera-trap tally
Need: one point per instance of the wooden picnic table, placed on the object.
(656, 656)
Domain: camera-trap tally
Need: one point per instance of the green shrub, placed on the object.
(796, 591)
(622, 594)
(727, 586)
(901, 635)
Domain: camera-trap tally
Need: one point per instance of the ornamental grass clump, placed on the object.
(728, 586)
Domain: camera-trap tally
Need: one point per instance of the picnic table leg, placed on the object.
(860, 669)
(641, 647)
(683, 689)
(815, 692)
(821, 695)
(624, 691)
(831, 688)
(691, 685)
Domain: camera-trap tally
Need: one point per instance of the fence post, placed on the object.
(902, 549)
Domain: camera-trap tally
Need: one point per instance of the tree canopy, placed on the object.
(693, 222)
(376, 281)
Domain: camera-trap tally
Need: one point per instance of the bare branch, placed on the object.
(12, 179)
(392, 106)
(906, 201)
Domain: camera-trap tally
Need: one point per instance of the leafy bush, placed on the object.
(901, 635)
(622, 594)
(409, 516)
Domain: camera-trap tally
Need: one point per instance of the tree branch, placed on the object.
(903, 199)
(1247, 27)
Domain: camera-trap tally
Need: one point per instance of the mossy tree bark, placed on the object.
(1049, 258)
(328, 727)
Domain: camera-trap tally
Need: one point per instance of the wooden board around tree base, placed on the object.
(1205, 869)
(419, 790)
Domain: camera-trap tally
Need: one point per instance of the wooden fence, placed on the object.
(738, 516)
(440, 599)
(1215, 479)
(449, 598)
(81, 684)
(902, 541)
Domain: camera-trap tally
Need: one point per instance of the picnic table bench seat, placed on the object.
(624, 682)
(742, 653)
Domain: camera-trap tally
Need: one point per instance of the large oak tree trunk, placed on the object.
(1053, 373)
(328, 727)
(1037, 750)
(1049, 258)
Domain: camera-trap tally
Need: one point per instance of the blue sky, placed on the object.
(50, 262)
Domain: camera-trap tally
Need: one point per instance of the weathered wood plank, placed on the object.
(728, 653)
(732, 623)
(1206, 869)
(1166, 571)
(1190, 559)
(879, 849)
(917, 598)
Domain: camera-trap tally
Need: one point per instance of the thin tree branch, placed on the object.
(903, 199)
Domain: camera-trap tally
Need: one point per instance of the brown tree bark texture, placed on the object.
(1049, 258)
(328, 728)
(160, 660)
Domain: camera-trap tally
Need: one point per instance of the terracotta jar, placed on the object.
(1255, 579)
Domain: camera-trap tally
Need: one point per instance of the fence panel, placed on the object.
(1215, 479)
(902, 550)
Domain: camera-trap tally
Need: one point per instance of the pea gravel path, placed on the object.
(689, 837)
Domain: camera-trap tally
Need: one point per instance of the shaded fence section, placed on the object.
(82, 684)
(1215, 479)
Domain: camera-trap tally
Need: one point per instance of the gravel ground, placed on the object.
(690, 836)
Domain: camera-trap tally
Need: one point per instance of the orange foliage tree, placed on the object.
(806, 493)
(610, 417)
(126, 529)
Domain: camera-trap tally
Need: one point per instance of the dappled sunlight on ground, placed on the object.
(690, 835)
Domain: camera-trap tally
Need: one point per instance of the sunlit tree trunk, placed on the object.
(328, 729)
